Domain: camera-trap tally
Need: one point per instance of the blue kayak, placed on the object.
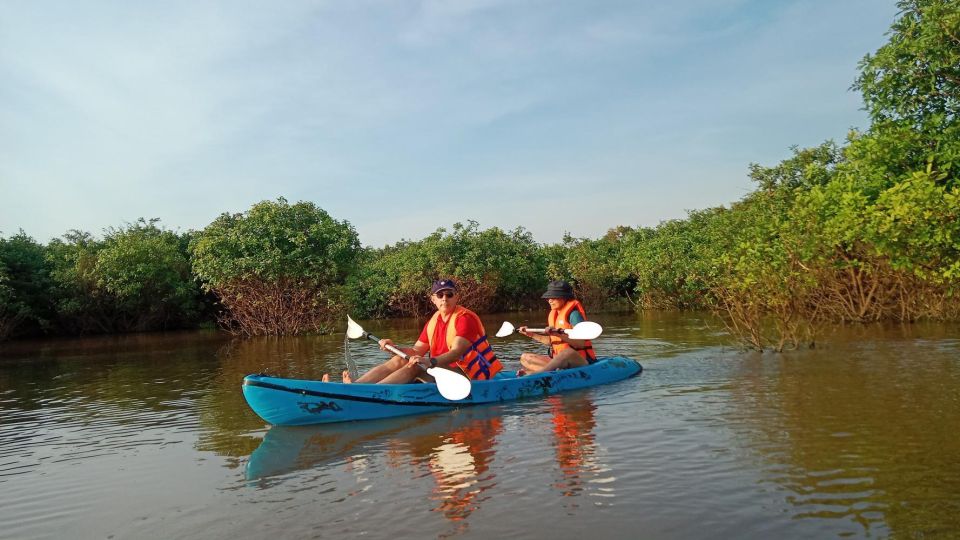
(293, 402)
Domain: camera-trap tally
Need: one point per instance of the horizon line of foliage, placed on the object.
(864, 231)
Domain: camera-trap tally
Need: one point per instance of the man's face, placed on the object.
(445, 300)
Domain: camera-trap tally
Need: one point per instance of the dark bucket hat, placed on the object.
(443, 285)
(558, 289)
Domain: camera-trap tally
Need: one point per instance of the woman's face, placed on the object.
(556, 303)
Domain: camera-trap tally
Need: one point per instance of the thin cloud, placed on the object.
(110, 112)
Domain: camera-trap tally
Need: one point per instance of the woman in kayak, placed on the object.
(454, 337)
(565, 313)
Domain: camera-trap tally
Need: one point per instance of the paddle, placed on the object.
(451, 384)
(581, 330)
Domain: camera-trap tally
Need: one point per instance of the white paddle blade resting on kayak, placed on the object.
(450, 384)
(581, 330)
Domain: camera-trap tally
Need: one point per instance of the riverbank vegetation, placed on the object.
(276, 269)
(866, 230)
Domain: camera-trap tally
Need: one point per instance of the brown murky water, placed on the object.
(148, 436)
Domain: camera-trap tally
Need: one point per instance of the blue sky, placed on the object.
(402, 117)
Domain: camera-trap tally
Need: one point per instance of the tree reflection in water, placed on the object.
(852, 434)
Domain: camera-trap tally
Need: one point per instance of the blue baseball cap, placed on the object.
(443, 285)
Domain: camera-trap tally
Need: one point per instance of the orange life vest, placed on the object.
(478, 362)
(560, 318)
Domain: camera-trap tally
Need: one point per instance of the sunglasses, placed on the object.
(448, 294)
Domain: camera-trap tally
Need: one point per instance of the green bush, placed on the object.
(496, 269)
(146, 270)
(136, 278)
(278, 268)
(671, 264)
(25, 296)
(595, 268)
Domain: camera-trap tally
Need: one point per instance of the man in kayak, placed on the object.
(454, 338)
(565, 313)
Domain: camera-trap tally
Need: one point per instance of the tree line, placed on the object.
(866, 230)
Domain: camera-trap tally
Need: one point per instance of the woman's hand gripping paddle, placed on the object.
(581, 330)
(451, 384)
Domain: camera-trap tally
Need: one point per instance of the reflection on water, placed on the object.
(870, 441)
(457, 460)
(149, 436)
(573, 423)
(456, 451)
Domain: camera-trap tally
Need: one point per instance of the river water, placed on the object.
(148, 436)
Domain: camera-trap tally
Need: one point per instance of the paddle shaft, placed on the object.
(544, 331)
(390, 348)
(405, 356)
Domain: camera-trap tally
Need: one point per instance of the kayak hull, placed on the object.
(292, 402)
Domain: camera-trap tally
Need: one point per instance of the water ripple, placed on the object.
(152, 439)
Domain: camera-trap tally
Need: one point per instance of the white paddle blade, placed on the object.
(585, 330)
(505, 330)
(354, 330)
(452, 386)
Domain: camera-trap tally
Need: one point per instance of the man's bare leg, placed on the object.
(403, 375)
(379, 373)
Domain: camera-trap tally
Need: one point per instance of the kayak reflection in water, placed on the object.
(456, 449)
(565, 313)
(454, 337)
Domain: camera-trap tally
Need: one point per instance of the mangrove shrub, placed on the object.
(495, 269)
(278, 268)
(136, 278)
(26, 306)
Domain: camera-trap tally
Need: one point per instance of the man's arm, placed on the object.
(460, 346)
(421, 348)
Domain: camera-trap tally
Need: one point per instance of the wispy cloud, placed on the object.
(181, 110)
